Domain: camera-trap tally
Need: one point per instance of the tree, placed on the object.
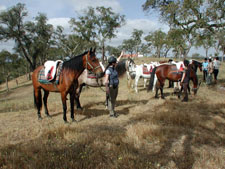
(10, 64)
(145, 49)
(190, 14)
(113, 51)
(206, 40)
(70, 45)
(157, 40)
(99, 23)
(136, 35)
(32, 39)
(129, 45)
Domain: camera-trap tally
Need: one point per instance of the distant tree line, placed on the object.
(192, 24)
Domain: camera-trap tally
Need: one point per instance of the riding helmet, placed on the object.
(112, 60)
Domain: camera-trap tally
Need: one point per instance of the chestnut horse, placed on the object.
(170, 72)
(70, 72)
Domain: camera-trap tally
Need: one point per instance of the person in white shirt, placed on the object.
(216, 65)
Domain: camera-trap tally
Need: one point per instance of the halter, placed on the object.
(92, 67)
(127, 65)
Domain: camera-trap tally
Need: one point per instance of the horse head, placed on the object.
(91, 63)
(130, 67)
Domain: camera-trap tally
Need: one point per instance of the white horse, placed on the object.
(143, 71)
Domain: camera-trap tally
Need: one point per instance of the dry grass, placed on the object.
(149, 133)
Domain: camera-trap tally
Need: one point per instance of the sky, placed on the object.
(59, 12)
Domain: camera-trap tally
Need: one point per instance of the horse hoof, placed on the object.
(47, 115)
(39, 118)
(79, 108)
(66, 122)
(73, 120)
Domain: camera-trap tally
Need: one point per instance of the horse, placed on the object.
(125, 65)
(195, 65)
(143, 71)
(170, 72)
(67, 84)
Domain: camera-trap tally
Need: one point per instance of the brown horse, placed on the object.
(70, 72)
(170, 72)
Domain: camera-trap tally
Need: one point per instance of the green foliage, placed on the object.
(157, 40)
(33, 39)
(11, 67)
(97, 24)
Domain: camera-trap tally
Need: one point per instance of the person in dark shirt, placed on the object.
(185, 80)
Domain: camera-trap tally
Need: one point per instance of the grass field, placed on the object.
(149, 133)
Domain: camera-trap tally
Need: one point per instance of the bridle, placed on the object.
(92, 67)
(128, 63)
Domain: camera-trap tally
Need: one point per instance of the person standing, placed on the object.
(210, 71)
(205, 69)
(112, 84)
(185, 80)
(216, 65)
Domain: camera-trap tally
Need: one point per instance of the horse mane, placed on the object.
(75, 63)
(121, 67)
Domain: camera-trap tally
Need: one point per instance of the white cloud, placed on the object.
(64, 22)
(80, 5)
(2, 8)
(145, 25)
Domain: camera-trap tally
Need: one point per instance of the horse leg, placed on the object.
(157, 89)
(180, 92)
(77, 97)
(136, 83)
(63, 97)
(189, 90)
(72, 96)
(38, 101)
(161, 89)
(45, 98)
(145, 81)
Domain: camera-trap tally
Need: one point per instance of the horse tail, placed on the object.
(151, 82)
(38, 101)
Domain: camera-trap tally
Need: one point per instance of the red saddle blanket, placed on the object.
(146, 71)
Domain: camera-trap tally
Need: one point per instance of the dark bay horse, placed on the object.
(87, 79)
(170, 72)
(195, 65)
(70, 72)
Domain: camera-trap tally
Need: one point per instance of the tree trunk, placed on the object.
(206, 52)
(103, 52)
(6, 82)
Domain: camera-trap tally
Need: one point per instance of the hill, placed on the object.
(149, 132)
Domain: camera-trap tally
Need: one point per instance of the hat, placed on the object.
(112, 60)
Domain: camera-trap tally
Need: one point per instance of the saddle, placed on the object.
(50, 73)
(146, 71)
(50, 69)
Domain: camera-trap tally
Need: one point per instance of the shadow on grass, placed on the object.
(105, 146)
(191, 125)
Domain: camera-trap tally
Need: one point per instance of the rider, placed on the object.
(205, 68)
(112, 84)
(185, 80)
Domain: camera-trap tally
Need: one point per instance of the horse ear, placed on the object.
(94, 50)
(91, 50)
